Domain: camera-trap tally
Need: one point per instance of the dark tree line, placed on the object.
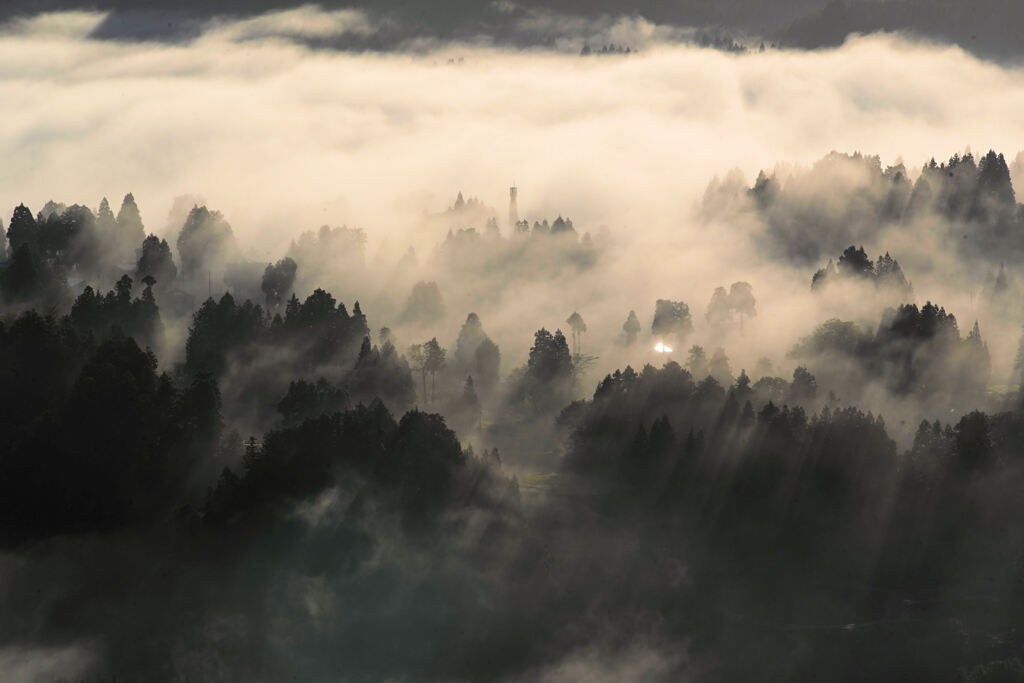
(809, 535)
(855, 265)
(914, 351)
(850, 199)
(774, 529)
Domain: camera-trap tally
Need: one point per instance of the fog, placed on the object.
(282, 139)
(331, 530)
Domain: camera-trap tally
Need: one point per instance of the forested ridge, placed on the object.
(213, 468)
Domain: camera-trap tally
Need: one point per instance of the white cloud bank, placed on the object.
(282, 138)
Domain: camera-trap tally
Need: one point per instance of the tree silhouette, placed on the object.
(278, 281)
(855, 263)
(632, 328)
(22, 229)
(719, 311)
(697, 362)
(671, 319)
(417, 356)
(742, 301)
(488, 365)
(129, 221)
(107, 232)
(434, 362)
(307, 400)
(548, 380)
(155, 261)
(424, 304)
(205, 239)
(471, 335)
(719, 367)
(28, 278)
(804, 389)
(578, 327)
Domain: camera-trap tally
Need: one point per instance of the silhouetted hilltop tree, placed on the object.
(671, 320)
(476, 355)
(562, 225)
(577, 326)
(278, 281)
(547, 383)
(131, 230)
(155, 261)
(994, 189)
(22, 230)
(116, 251)
(855, 265)
(205, 241)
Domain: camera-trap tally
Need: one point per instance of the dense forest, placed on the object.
(214, 469)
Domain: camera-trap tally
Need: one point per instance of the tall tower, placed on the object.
(513, 210)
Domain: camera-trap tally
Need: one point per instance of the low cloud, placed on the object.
(282, 138)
